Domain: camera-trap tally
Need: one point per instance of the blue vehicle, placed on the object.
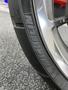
(6, 1)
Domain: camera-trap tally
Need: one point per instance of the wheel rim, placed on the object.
(49, 25)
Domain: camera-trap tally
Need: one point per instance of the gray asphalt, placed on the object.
(16, 73)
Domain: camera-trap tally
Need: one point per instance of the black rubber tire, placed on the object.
(29, 37)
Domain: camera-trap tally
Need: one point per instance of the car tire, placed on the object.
(27, 31)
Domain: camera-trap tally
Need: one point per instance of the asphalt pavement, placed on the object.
(16, 73)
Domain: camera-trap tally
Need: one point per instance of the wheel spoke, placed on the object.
(60, 21)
